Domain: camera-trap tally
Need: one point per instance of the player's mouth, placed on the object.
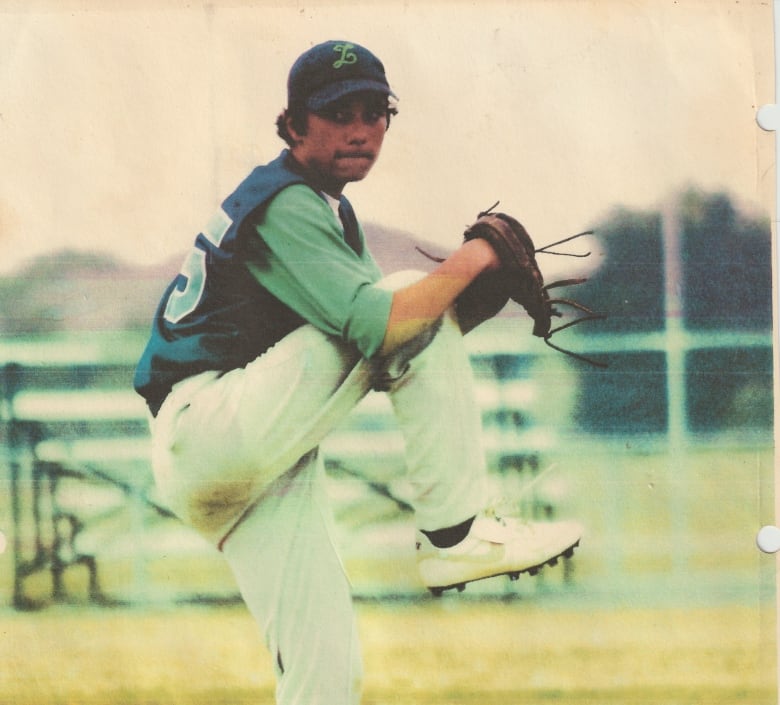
(355, 155)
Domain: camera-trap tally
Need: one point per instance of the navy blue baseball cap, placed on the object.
(331, 70)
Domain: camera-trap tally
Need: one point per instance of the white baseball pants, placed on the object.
(236, 457)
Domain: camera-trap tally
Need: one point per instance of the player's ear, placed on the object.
(289, 128)
(296, 124)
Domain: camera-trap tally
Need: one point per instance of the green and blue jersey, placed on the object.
(275, 256)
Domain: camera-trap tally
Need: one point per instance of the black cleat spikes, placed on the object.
(514, 575)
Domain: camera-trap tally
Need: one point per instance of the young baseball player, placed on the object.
(278, 324)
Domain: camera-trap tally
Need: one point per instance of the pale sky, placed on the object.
(123, 130)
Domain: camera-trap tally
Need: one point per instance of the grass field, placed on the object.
(446, 652)
(670, 604)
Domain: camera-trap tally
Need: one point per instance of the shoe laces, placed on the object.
(501, 506)
(512, 513)
(501, 512)
(490, 514)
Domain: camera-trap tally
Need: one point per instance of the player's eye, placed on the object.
(340, 117)
(373, 116)
(344, 116)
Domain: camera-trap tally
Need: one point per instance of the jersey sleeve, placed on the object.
(298, 253)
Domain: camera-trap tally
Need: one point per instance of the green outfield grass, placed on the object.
(670, 603)
(452, 652)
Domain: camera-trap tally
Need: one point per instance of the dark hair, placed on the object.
(298, 116)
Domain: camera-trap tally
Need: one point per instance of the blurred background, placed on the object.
(666, 452)
(123, 129)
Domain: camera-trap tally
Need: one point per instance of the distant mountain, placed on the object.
(395, 250)
(79, 291)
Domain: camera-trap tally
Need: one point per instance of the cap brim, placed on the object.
(319, 99)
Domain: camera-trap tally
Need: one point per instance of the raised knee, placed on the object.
(400, 279)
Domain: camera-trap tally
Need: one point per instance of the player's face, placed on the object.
(343, 141)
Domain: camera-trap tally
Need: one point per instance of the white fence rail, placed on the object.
(528, 428)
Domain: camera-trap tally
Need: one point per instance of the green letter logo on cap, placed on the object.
(347, 56)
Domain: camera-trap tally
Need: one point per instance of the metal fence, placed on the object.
(79, 490)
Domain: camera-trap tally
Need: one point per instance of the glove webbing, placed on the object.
(590, 315)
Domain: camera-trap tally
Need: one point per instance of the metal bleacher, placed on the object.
(76, 447)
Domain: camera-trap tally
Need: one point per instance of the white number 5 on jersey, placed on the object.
(183, 302)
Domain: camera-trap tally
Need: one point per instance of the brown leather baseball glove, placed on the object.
(519, 279)
(519, 275)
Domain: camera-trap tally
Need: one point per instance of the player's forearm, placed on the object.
(418, 305)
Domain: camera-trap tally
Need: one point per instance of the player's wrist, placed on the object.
(482, 254)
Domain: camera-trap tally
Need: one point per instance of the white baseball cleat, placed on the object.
(495, 546)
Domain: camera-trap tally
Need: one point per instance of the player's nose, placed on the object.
(358, 131)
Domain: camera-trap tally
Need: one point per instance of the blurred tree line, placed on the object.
(74, 291)
(726, 260)
(70, 291)
(725, 287)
